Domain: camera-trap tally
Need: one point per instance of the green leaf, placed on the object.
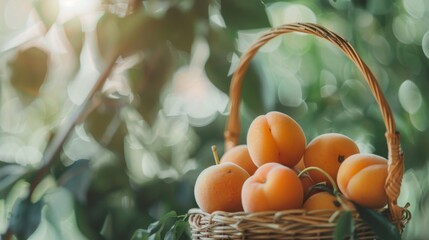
(217, 65)
(381, 226)
(77, 179)
(9, 175)
(344, 226)
(179, 230)
(25, 217)
(140, 234)
(29, 70)
(252, 90)
(244, 14)
(156, 230)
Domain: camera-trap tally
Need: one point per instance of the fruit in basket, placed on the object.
(325, 201)
(328, 151)
(240, 156)
(272, 187)
(218, 187)
(322, 200)
(275, 137)
(361, 178)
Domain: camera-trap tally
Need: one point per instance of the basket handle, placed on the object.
(395, 155)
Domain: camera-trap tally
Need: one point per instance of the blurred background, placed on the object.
(108, 108)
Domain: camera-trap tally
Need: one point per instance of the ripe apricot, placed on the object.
(240, 156)
(275, 137)
(328, 151)
(325, 201)
(361, 178)
(272, 187)
(218, 188)
(322, 200)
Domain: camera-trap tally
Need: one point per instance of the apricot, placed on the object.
(275, 137)
(361, 178)
(218, 188)
(240, 156)
(322, 200)
(328, 151)
(326, 201)
(272, 187)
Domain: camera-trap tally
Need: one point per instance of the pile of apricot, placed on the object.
(277, 170)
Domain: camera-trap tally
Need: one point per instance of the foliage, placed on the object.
(111, 105)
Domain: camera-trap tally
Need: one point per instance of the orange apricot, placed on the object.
(326, 201)
(218, 188)
(361, 178)
(328, 151)
(272, 187)
(322, 200)
(275, 137)
(240, 156)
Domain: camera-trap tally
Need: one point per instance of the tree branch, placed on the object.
(60, 137)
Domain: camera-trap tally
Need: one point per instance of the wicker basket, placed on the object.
(299, 224)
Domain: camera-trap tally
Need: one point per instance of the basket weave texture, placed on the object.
(299, 224)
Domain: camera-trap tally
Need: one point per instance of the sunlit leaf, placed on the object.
(25, 217)
(48, 11)
(77, 178)
(381, 226)
(29, 70)
(344, 226)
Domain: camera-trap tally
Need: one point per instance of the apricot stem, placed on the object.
(334, 185)
(216, 157)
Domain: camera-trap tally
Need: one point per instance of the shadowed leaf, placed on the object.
(344, 226)
(378, 223)
(77, 178)
(9, 175)
(25, 218)
(29, 70)
(244, 14)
